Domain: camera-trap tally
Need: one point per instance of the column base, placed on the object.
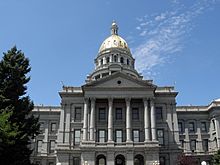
(110, 143)
(129, 143)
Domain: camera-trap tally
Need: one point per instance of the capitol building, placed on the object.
(119, 118)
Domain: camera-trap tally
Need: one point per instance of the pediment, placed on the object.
(120, 80)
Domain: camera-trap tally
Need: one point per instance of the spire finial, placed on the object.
(114, 28)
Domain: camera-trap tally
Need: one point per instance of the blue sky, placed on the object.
(174, 42)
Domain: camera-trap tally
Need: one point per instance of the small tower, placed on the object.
(114, 28)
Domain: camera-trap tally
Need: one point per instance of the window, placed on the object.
(160, 136)
(102, 114)
(159, 114)
(53, 127)
(115, 58)
(39, 145)
(107, 60)
(122, 60)
(191, 127)
(52, 146)
(136, 136)
(135, 113)
(193, 145)
(101, 61)
(128, 62)
(203, 127)
(118, 136)
(162, 160)
(76, 161)
(77, 137)
(118, 114)
(205, 144)
(51, 163)
(102, 136)
(78, 111)
(182, 143)
(180, 126)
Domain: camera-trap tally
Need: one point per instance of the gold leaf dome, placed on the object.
(114, 41)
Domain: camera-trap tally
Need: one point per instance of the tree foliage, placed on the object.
(186, 160)
(216, 158)
(17, 125)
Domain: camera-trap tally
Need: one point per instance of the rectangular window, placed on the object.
(159, 114)
(76, 161)
(182, 143)
(136, 135)
(193, 145)
(205, 144)
(118, 114)
(160, 136)
(191, 127)
(52, 146)
(53, 127)
(180, 126)
(39, 146)
(77, 137)
(203, 127)
(118, 136)
(102, 136)
(135, 113)
(77, 116)
(102, 114)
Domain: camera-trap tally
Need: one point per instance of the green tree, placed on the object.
(17, 125)
(216, 158)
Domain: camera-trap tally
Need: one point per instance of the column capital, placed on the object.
(152, 99)
(92, 99)
(127, 100)
(110, 99)
(86, 99)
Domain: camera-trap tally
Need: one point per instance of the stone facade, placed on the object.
(118, 118)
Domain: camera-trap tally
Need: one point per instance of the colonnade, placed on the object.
(149, 120)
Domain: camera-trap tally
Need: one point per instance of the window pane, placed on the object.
(135, 113)
(39, 145)
(203, 125)
(180, 126)
(41, 127)
(76, 161)
(205, 144)
(78, 114)
(191, 127)
(160, 136)
(102, 136)
(53, 127)
(52, 146)
(136, 136)
(159, 113)
(119, 136)
(77, 137)
(118, 113)
(193, 145)
(102, 114)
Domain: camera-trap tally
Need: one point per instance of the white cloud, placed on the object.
(163, 34)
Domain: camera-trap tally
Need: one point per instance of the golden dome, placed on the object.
(114, 41)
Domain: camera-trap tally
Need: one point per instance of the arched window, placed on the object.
(138, 160)
(128, 62)
(101, 160)
(122, 60)
(107, 60)
(115, 58)
(119, 160)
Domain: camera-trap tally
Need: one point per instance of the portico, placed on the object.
(148, 118)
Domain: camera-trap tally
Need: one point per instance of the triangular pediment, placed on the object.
(120, 80)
